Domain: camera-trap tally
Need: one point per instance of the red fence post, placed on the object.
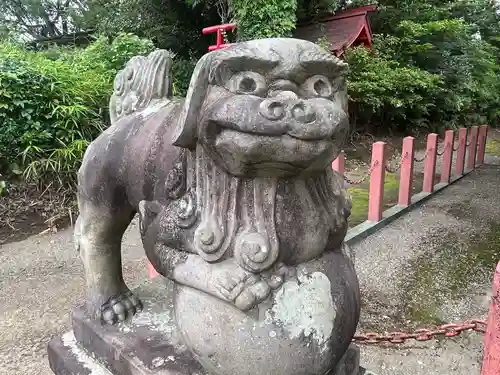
(462, 147)
(483, 136)
(376, 197)
(338, 165)
(406, 175)
(152, 273)
(471, 160)
(430, 163)
(491, 359)
(449, 138)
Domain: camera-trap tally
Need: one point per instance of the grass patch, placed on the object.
(493, 147)
(360, 198)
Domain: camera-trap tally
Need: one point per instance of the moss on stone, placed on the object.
(449, 273)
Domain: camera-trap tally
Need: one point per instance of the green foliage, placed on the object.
(310, 9)
(52, 104)
(264, 18)
(182, 71)
(108, 57)
(467, 66)
(324, 43)
(437, 61)
(41, 18)
(385, 93)
(171, 24)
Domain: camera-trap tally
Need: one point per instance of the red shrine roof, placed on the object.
(343, 30)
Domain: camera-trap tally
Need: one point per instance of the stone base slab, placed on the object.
(66, 357)
(147, 344)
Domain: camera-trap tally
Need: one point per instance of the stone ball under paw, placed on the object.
(303, 328)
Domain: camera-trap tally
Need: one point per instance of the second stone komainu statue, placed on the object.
(238, 206)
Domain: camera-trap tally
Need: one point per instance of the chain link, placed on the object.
(440, 153)
(362, 179)
(466, 145)
(389, 168)
(422, 159)
(446, 330)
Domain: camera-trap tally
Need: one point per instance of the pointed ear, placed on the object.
(187, 124)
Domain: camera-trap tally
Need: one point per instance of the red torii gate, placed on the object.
(219, 29)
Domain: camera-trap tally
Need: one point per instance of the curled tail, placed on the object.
(143, 82)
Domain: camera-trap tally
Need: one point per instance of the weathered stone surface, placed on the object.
(149, 343)
(67, 357)
(238, 206)
(296, 331)
(146, 344)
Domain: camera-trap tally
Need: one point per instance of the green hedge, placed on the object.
(53, 103)
(386, 95)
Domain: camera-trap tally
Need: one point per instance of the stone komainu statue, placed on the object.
(237, 202)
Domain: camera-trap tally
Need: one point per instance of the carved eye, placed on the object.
(318, 86)
(250, 83)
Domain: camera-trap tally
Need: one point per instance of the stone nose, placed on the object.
(276, 107)
(303, 113)
(272, 109)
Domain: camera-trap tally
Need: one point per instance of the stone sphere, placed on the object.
(304, 327)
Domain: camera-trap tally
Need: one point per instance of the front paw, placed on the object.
(276, 276)
(240, 287)
(120, 308)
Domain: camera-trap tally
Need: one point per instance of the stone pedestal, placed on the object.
(148, 344)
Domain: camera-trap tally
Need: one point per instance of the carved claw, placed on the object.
(120, 308)
(276, 276)
(252, 295)
(239, 286)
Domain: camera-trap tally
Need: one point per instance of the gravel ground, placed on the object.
(41, 280)
(433, 265)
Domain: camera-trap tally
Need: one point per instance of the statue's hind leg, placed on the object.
(98, 236)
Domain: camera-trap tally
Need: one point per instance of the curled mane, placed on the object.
(236, 217)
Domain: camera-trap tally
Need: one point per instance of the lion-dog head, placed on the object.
(271, 107)
(261, 123)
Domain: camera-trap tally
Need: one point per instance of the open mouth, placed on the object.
(266, 129)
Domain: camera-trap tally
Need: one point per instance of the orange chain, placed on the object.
(360, 181)
(389, 169)
(446, 330)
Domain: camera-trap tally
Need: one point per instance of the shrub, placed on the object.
(385, 94)
(264, 18)
(182, 71)
(52, 104)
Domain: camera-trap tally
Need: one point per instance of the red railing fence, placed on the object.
(378, 166)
